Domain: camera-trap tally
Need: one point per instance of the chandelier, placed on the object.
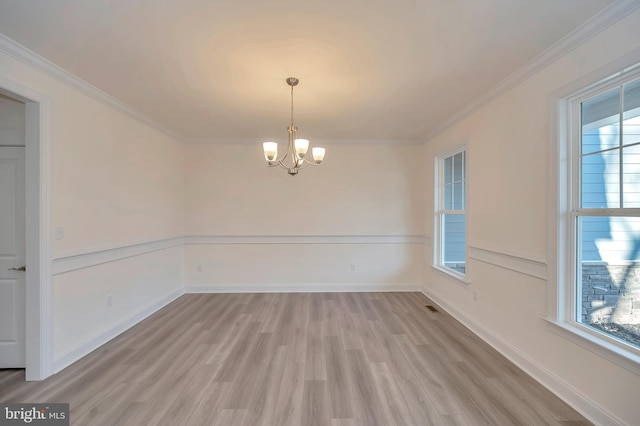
(294, 157)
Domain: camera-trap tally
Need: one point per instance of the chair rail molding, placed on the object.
(72, 261)
(525, 264)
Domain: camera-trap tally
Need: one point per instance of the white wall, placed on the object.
(254, 228)
(117, 187)
(12, 122)
(507, 234)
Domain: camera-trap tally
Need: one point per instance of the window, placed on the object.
(605, 213)
(450, 217)
(599, 293)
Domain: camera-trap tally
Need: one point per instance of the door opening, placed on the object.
(12, 234)
(36, 280)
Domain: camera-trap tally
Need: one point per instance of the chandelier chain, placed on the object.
(292, 106)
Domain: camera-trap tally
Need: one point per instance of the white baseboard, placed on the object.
(311, 288)
(561, 389)
(89, 346)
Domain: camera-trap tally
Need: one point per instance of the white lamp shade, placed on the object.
(302, 146)
(318, 154)
(270, 150)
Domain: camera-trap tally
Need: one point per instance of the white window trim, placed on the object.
(437, 241)
(562, 199)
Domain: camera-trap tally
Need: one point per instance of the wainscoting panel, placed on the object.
(86, 259)
(303, 263)
(108, 292)
(524, 264)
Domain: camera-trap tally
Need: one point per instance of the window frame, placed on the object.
(439, 212)
(565, 211)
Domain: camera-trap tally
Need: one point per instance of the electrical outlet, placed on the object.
(59, 233)
(109, 300)
(475, 295)
(199, 268)
(353, 267)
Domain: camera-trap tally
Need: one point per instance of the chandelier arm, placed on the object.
(295, 164)
(281, 160)
(276, 162)
(309, 162)
(281, 164)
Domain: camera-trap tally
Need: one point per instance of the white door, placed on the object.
(12, 257)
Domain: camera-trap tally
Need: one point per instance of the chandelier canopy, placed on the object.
(294, 157)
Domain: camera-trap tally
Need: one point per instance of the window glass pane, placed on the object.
(632, 95)
(450, 244)
(600, 139)
(631, 131)
(600, 180)
(631, 176)
(593, 229)
(458, 196)
(458, 166)
(448, 197)
(608, 291)
(464, 165)
(600, 118)
(631, 124)
(448, 170)
(453, 241)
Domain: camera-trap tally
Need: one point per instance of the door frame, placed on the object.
(39, 301)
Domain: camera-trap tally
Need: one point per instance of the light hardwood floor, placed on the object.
(296, 359)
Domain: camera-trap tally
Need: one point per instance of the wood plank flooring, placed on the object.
(296, 359)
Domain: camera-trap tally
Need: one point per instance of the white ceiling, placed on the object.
(368, 69)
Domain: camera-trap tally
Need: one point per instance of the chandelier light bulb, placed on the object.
(302, 146)
(270, 150)
(318, 154)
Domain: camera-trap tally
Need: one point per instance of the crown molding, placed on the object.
(596, 24)
(314, 141)
(305, 239)
(32, 59)
(364, 141)
(602, 20)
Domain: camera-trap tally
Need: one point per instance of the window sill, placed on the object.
(462, 279)
(601, 345)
